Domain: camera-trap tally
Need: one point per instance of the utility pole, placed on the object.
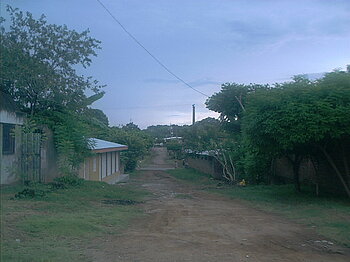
(193, 114)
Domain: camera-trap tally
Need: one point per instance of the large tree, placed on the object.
(302, 118)
(230, 102)
(39, 62)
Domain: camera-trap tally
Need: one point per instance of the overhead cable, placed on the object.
(148, 52)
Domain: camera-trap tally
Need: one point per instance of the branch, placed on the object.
(240, 102)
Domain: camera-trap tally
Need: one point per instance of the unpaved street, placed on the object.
(183, 223)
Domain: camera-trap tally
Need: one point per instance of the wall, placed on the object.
(206, 164)
(49, 157)
(9, 163)
(92, 166)
(15, 118)
(325, 177)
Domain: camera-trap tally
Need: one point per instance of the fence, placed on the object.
(30, 157)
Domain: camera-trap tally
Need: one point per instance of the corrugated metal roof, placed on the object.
(98, 144)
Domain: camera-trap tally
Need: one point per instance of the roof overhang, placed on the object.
(111, 149)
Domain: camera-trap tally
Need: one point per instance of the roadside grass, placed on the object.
(192, 176)
(59, 225)
(328, 215)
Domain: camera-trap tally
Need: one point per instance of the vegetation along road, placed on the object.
(184, 223)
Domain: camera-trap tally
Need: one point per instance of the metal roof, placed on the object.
(98, 144)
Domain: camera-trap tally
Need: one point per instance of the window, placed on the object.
(8, 139)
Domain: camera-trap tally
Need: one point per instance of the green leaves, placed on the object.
(39, 62)
(299, 113)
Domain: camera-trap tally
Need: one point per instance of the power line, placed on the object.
(144, 107)
(148, 52)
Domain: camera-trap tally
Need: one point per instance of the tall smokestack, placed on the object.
(193, 114)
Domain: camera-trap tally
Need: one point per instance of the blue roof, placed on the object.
(98, 144)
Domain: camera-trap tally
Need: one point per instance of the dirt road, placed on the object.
(186, 224)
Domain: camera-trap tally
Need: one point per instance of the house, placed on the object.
(11, 121)
(104, 164)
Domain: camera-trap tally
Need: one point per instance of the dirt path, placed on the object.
(185, 224)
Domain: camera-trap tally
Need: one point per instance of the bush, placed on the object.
(68, 180)
(30, 193)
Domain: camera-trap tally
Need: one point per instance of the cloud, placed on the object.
(283, 28)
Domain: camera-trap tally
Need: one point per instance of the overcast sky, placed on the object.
(205, 42)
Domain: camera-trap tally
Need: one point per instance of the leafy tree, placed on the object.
(138, 143)
(230, 102)
(159, 132)
(209, 135)
(299, 119)
(39, 63)
(131, 126)
(97, 116)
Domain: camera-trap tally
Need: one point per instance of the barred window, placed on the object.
(8, 139)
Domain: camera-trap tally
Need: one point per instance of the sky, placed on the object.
(204, 42)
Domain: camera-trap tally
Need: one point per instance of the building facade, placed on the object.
(11, 121)
(104, 164)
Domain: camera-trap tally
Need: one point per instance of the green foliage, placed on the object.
(96, 117)
(30, 193)
(203, 135)
(69, 180)
(174, 145)
(296, 115)
(138, 142)
(230, 102)
(40, 62)
(70, 137)
(159, 132)
(296, 118)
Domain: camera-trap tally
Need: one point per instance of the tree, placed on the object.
(301, 118)
(208, 135)
(39, 60)
(138, 143)
(230, 102)
(38, 69)
(130, 126)
(97, 116)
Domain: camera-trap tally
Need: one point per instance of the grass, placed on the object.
(192, 176)
(58, 226)
(329, 215)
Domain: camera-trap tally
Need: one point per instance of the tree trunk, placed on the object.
(315, 165)
(296, 175)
